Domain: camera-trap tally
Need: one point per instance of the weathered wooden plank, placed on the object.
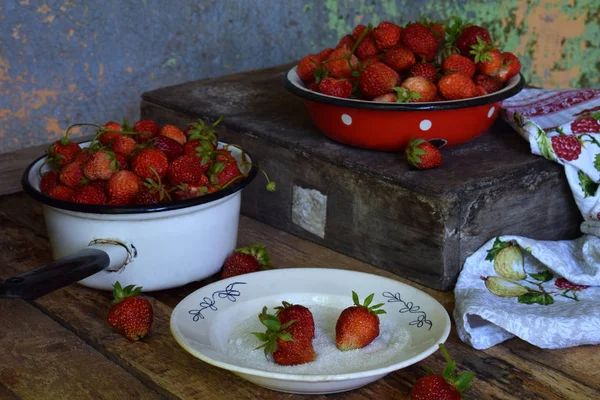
(41, 357)
(161, 364)
(6, 394)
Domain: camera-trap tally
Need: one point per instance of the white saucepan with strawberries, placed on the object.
(157, 217)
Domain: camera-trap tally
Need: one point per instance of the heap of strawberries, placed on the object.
(140, 165)
(291, 330)
(420, 62)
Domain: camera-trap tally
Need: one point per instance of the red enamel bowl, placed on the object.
(390, 126)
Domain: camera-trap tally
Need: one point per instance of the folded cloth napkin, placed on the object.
(547, 293)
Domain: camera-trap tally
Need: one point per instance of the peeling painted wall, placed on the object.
(63, 62)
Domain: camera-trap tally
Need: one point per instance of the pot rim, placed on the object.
(113, 210)
(291, 81)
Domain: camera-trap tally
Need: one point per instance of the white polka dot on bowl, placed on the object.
(425, 125)
(346, 119)
(491, 112)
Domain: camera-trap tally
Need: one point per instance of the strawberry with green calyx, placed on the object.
(358, 325)
(246, 260)
(487, 57)
(153, 191)
(404, 95)
(448, 386)
(422, 154)
(287, 348)
(130, 315)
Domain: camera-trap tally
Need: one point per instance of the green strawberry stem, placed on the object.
(360, 38)
(71, 127)
(462, 381)
(259, 252)
(120, 293)
(274, 331)
(367, 304)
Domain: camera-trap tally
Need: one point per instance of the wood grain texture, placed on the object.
(512, 370)
(45, 358)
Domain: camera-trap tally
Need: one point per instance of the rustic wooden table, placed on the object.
(61, 347)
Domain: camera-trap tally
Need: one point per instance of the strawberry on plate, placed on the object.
(246, 260)
(358, 325)
(421, 154)
(130, 315)
(288, 347)
(448, 386)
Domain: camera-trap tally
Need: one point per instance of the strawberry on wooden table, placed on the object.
(289, 347)
(358, 325)
(130, 315)
(422, 154)
(448, 386)
(246, 260)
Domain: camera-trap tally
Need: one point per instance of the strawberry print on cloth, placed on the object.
(545, 292)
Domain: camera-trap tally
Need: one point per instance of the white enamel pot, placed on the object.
(156, 247)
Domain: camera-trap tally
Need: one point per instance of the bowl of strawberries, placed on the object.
(310, 330)
(144, 204)
(381, 86)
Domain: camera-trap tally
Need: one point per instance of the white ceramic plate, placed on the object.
(214, 324)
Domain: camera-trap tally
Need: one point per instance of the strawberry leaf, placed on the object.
(545, 276)
(497, 247)
(369, 299)
(355, 298)
(285, 336)
(261, 336)
(536, 298)
(588, 186)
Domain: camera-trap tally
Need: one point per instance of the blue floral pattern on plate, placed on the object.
(209, 302)
(409, 307)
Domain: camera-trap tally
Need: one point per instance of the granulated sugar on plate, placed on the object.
(383, 351)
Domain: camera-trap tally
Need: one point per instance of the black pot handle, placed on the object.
(59, 273)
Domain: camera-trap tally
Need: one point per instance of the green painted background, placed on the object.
(67, 61)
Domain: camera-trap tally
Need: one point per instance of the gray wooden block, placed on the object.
(421, 225)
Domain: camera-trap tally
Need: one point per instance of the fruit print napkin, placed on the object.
(545, 292)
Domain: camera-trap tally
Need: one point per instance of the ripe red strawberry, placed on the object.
(347, 42)
(122, 163)
(89, 194)
(358, 30)
(386, 34)
(63, 151)
(173, 132)
(246, 260)
(377, 79)
(358, 325)
(340, 63)
(438, 31)
(324, 54)
(153, 192)
(49, 180)
(510, 67)
(336, 87)
(458, 63)
(386, 98)
(122, 188)
(488, 59)
(399, 58)
(468, 38)
(124, 145)
(148, 126)
(189, 191)
(423, 86)
(102, 185)
(170, 147)
(420, 40)
(565, 284)
(62, 192)
(102, 165)
(225, 170)
(438, 387)
(491, 84)
(585, 125)
(307, 66)
(83, 156)
(130, 315)
(109, 137)
(422, 154)
(311, 86)
(567, 147)
(192, 147)
(71, 175)
(186, 169)
(426, 70)
(149, 162)
(367, 48)
(457, 85)
(287, 349)
(304, 329)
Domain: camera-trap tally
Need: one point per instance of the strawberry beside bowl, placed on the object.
(215, 323)
(156, 246)
(390, 126)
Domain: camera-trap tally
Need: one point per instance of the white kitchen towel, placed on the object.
(545, 292)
